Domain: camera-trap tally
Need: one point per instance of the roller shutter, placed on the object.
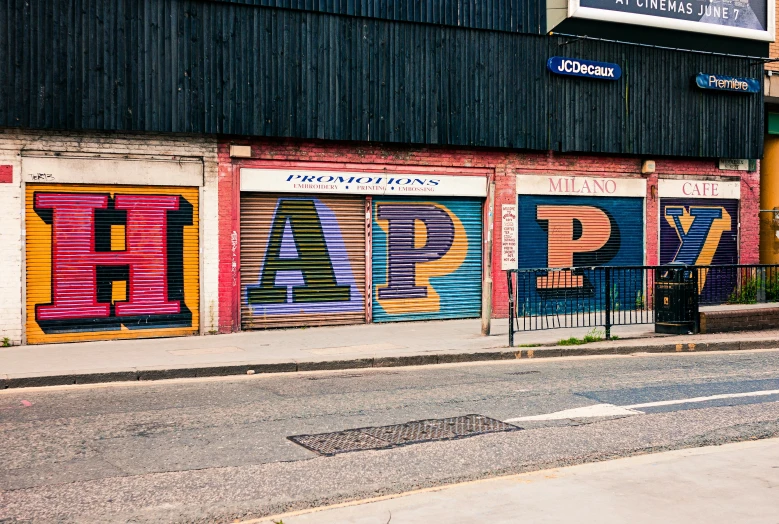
(566, 231)
(111, 262)
(573, 231)
(704, 232)
(427, 258)
(302, 260)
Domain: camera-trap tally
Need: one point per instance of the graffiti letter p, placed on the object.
(563, 241)
(404, 251)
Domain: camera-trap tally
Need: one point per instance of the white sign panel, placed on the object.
(361, 183)
(750, 19)
(65, 170)
(734, 164)
(698, 189)
(509, 237)
(580, 186)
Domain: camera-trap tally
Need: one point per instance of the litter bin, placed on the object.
(676, 299)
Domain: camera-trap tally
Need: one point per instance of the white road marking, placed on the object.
(596, 410)
(610, 410)
(705, 399)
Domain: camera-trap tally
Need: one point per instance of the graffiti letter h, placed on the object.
(75, 262)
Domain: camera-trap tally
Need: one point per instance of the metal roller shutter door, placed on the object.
(710, 238)
(302, 260)
(111, 262)
(709, 228)
(568, 231)
(427, 258)
(565, 231)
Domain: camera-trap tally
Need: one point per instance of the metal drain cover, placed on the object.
(384, 437)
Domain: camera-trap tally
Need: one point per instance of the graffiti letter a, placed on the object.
(297, 245)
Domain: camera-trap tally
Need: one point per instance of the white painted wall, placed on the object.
(119, 158)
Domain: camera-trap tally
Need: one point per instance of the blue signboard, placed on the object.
(560, 65)
(727, 83)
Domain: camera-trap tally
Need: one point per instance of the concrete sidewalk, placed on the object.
(723, 484)
(346, 347)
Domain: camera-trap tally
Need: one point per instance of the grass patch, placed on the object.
(594, 335)
(528, 345)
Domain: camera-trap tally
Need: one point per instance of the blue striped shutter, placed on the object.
(710, 240)
(427, 258)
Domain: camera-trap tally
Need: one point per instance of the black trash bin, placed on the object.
(676, 299)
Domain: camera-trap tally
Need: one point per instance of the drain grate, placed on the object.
(416, 432)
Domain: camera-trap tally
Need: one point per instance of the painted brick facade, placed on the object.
(503, 165)
(14, 142)
(773, 49)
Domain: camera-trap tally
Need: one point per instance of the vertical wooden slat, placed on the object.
(228, 67)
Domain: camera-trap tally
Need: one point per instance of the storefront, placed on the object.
(580, 221)
(339, 247)
(111, 260)
(699, 225)
(577, 221)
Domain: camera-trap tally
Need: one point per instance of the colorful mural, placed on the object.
(111, 262)
(427, 259)
(701, 232)
(302, 257)
(565, 231)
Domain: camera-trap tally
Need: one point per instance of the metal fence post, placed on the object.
(608, 302)
(511, 310)
(760, 279)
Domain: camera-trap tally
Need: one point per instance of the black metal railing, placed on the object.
(606, 296)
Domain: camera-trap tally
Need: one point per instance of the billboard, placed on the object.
(750, 19)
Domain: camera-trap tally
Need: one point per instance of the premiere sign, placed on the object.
(727, 83)
(750, 19)
(583, 68)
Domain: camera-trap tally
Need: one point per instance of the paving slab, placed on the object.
(331, 348)
(716, 485)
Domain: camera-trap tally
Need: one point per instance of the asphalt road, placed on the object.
(216, 450)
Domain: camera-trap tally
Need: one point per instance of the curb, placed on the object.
(135, 375)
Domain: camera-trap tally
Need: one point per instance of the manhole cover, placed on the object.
(419, 431)
(339, 442)
(383, 437)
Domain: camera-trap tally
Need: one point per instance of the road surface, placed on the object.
(217, 450)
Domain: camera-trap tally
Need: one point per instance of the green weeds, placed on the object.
(594, 335)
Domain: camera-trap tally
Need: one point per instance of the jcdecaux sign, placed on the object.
(583, 68)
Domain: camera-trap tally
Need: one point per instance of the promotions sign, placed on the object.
(750, 19)
(361, 183)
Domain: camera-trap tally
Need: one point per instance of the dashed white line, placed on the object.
(704, 399)
(611, 410)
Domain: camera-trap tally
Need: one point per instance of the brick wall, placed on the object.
(773, 50)
(13, 142)
(739, 320)
(503, 164)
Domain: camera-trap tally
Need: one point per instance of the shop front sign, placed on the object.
(361, 183)
(560, 65)
(727, 83)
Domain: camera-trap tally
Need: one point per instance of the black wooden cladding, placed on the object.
(520, 16)
(210, 67)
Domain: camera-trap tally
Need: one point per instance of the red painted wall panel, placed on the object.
(503, 165)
